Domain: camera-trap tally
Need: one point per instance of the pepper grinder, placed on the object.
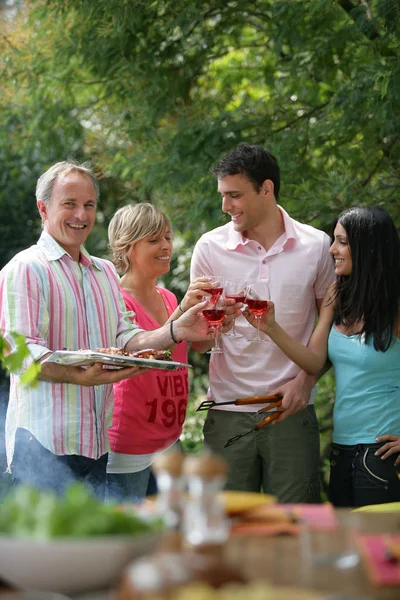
(205, 524)
(170, 483)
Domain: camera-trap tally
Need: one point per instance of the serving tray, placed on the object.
(88, 357)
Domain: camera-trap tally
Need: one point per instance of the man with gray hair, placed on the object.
(58, 296)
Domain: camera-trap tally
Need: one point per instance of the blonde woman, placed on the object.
(148, 412)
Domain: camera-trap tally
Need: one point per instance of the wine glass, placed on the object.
(236, 290)
(257, 297)
(214, 286)
(214, 313)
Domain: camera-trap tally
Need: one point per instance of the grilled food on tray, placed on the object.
(148, 353)
(113, 351)
(152, 354)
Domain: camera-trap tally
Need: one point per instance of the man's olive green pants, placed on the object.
(280, 459)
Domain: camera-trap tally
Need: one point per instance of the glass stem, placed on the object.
(258, 319)
(217, 337)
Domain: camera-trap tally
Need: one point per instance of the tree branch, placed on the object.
(372, 33)
(385, 154)
(299, 118)
(368, 178)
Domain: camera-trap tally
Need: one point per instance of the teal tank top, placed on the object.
(367, 389)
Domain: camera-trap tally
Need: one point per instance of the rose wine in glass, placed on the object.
(214, 313)
(257, 297)
(235, 289)
(214, 287)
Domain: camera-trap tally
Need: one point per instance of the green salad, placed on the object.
(28, 512)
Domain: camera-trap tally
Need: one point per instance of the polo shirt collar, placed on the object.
(236, 238)
(53, 251)
(289, 235)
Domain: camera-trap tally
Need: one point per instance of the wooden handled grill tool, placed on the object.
(206, 404)
(268, 419)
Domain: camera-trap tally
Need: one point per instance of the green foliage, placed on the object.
(42, 515)
(154, 92)
(324, 410)
(13, 361)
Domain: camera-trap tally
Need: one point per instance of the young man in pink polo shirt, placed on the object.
(262, 241)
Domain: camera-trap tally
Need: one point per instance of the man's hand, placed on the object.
(391, 447)
(296, 395)
(95, 374)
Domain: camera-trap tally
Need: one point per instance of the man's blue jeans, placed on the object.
(36, 466)
(359, 478)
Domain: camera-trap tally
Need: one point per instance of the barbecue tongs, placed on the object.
(206, 404)
(268, 419)
(272, 400)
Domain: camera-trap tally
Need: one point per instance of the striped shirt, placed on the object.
(58, 303)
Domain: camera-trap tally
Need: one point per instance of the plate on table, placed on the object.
(70, 565)
(88, 357)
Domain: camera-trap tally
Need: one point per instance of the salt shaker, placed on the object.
(170, 483)
(205, 523)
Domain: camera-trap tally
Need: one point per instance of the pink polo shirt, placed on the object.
(299, 270)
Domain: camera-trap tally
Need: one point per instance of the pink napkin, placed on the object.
(321, 517)
(381, 570)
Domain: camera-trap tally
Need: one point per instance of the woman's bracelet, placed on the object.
(171, 332)
(180, 308)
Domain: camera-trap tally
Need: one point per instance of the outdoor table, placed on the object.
(279, 560)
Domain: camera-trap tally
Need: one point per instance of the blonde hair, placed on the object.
(129, 225)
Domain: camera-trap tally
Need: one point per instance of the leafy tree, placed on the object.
(162, 88)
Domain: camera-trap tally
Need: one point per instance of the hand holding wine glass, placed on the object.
(214, 313)
(267, 320)
(194, 293)
(235, 289)
(257, 300)
(213, 286)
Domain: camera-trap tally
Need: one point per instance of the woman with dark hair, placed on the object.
(359, 332)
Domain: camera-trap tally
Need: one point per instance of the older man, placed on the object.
(58, 296)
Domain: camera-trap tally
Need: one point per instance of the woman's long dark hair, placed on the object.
(371, 294)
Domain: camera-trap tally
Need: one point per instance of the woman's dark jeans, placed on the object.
(36, 466)
(359, 478)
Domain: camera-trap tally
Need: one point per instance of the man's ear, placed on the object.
(42, 208)
(268, 187)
